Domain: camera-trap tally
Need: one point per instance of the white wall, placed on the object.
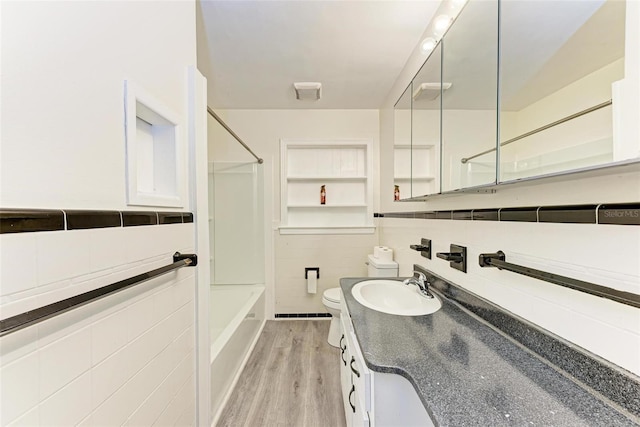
(288, 255)
(604, 254)
(63, 71)
(127, 359)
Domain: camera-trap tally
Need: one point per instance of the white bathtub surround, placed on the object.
(237, 319)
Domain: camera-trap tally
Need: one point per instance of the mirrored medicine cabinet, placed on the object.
(519, 90)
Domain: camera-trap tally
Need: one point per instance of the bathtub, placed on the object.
(237, 318)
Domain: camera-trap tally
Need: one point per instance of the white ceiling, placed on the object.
(253, 51)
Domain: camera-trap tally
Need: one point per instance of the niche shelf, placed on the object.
(414, 168)
(154, 151)
(344, 167)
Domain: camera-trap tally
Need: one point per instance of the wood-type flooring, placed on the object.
(292, 379)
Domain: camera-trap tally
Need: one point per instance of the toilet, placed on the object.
(331, 297)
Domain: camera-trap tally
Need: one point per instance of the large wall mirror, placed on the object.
(402, 164)
(558, 63)
(554, 91)
(470, 104)
(425, 126)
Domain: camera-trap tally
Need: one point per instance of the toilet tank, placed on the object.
(379, 268)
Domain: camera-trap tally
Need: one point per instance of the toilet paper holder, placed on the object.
(308, 269)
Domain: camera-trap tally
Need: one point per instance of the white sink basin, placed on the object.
(394, 297)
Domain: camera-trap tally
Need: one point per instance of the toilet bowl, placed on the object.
(331, 297)
(331, 300)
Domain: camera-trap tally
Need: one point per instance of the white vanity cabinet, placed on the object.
(374, 398)
(354, 377)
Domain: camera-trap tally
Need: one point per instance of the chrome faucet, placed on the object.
(420, 280)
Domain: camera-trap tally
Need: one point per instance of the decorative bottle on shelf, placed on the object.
(396, 193)
(323, 195)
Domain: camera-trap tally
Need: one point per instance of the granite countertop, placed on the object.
(467, 373)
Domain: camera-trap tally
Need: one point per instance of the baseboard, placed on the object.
(302, 315)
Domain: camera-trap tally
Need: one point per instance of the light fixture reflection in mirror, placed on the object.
(441, 24)
(446, 14)
(428, 45)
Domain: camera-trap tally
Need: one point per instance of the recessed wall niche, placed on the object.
(154, 151)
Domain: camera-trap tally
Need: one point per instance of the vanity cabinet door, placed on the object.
(345, 371)
(360, 402)
(354, 376)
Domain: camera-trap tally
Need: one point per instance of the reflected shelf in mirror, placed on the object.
(623, 166)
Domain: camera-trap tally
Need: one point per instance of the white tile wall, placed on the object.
(12, 267)
(19, 386)
(31, 418)
(178, 405)
(64, 360)
(604, 254)
(149, 410)
(126, 359)
(69, 405)
(336, 255)
(108, 335)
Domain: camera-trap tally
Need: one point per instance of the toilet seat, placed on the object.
(332, 295)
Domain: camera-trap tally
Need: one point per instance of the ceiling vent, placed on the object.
(429, 91)
(308, 90)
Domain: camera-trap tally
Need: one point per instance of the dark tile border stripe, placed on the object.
(133, 219)
(462, 215)
(301, 315)
(485, 215)
(169, 217)
(619, 214)
(617, 385)
(187, 217)
(425, 215)
(444, 215)
(585, 214)
(627, 214)
(519, 214)
(30, 220)
(82, 220)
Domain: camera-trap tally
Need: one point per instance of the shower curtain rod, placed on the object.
(228, 129)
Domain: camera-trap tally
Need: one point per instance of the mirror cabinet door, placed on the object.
(425, 126)
(558, 62)
(469, 105)
(402, 146)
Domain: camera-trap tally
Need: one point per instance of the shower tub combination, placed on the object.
(237, 318)
(237, 301)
